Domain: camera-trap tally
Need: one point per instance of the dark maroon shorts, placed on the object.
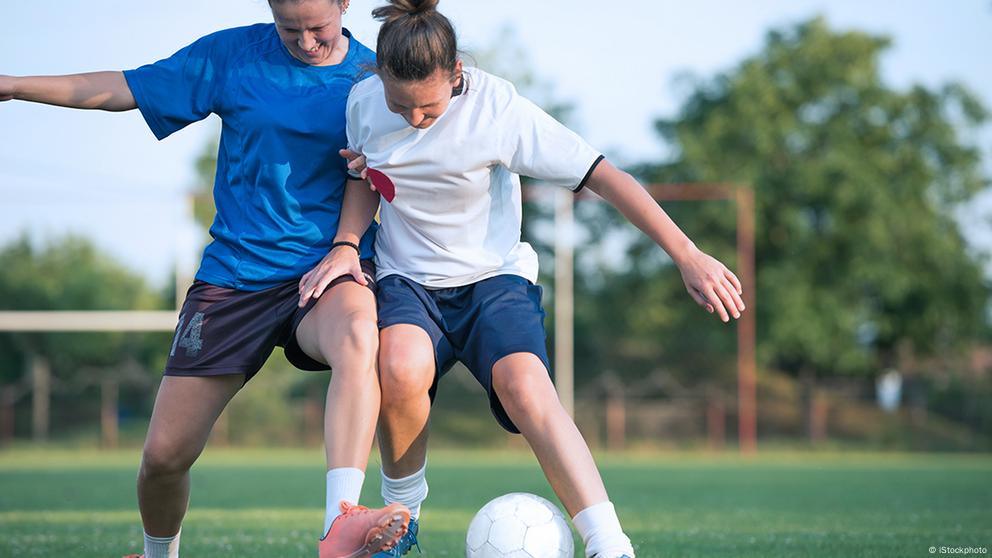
(227, 331)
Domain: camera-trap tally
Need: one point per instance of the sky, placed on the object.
(105, 176)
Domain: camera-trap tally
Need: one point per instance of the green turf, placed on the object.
(269, 503)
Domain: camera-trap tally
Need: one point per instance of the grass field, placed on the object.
(269, 503)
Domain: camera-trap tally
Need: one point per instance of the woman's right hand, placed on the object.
(341, 260)
(712, 285)
(7, 87)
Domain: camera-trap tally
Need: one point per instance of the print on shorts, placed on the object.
(190, 337)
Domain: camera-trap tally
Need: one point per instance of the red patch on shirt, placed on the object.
(382, 184)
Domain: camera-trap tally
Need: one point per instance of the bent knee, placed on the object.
(160, 458)
(404, 376)
(356, 338)
(360, 331)
(523, 384)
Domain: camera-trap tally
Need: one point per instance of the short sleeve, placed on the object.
(534, 144)
(352, 125)
(179, 90)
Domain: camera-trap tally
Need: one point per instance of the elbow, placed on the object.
(115, 103)
(119, 108)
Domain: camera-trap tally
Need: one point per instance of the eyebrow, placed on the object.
(398, 105)
(294, 28)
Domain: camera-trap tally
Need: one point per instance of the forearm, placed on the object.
(357, 211)
(623, 192)
(96, 90)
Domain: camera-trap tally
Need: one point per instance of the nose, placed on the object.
(416, 118)
(307, 40)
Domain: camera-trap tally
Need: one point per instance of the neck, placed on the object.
(340, 49)
(338, 52)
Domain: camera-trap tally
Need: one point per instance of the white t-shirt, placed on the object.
(456, 215)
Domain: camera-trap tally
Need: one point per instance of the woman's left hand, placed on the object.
(712, 285)
(356, 163)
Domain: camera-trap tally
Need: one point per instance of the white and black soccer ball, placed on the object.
(519, 525)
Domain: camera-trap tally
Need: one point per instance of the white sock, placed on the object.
(599, 527)
(410, 491)
(162, 547)
(343, 484)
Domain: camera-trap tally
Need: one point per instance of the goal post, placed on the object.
(743, 199)
(39, 379)
(68, 321)
(88, 320)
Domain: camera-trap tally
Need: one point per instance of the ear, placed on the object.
(457, 74)
(344, 5)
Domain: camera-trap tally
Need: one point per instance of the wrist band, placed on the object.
(346, 243)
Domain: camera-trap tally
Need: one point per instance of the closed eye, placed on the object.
(401, 107)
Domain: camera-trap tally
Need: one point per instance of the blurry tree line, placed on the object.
(85, 375)
(861, 265)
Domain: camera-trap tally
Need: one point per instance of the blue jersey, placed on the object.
(280, 181)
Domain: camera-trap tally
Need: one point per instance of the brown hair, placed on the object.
(338, 2)
(415, 40)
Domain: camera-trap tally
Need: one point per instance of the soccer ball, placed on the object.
(519, 525)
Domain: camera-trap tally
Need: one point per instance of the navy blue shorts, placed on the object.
(476, 324)
(226, 331)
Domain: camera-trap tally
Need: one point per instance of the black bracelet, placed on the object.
(346, 243)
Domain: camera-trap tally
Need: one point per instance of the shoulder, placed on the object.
(490, 83)
(243, 36)
(491, 91)
(238, 40)
(365, 102)
(361, 59)
(366, 90)
(363, 54)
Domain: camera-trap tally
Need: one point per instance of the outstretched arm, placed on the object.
(96, 90)
(357, 211)
(708, 281)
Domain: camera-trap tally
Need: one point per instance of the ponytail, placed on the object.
(415, 40)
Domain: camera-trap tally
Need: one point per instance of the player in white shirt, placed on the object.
(444, 146)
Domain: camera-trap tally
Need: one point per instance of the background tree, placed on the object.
(860, 262)
(71, 274)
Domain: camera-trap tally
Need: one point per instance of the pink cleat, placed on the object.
(360, 532)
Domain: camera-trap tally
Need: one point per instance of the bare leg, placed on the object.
(521, 381)
(185, 411)
(341, 331)
(406, 366)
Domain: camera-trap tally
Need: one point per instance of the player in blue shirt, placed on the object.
(280, 90)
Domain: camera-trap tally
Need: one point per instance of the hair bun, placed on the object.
(402, 8)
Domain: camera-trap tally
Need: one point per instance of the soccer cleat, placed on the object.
(406, 542)
(135, 556)
(360, 532)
